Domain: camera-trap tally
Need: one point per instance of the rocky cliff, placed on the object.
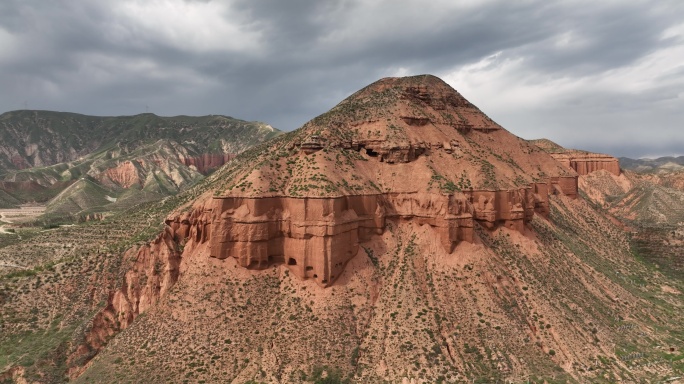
(150, 271)
(585, 163)
(316, 237)
(582, 162)
(400, 150)
(206, 163)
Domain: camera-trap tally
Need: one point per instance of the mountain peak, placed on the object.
(410, 107)
(430, 83)
(418, 121)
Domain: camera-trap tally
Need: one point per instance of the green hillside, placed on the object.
(70, 161)
(39, 138)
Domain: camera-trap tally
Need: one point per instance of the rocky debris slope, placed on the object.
(553, 303)
(152, 270)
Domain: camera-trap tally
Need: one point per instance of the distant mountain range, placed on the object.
(661, 164)
(81, 165)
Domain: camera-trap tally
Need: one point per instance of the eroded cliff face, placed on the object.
(585, 163)
(125, 175)
(207, 162)
(582, 162)
(152, 270)
(400, 149)
(316, 237)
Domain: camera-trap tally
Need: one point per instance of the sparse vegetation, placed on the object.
(567, 299)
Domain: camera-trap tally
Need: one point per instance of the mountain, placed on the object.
(43, 138)
(43, 152)
(403, 236)
(659, 165)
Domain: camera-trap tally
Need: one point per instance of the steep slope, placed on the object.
(7, 200)
(79, 196)
(647, 198)
(651, 204)
(554, 303)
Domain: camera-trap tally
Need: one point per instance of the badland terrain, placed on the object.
(402, 236)
(84, 167)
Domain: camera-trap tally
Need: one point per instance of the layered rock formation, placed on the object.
(585, 163)
(316, 237)
(403, 150)
(582, 162)
(386, 160)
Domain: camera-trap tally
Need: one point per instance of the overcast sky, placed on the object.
(599, 75)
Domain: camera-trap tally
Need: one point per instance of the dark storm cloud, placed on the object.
(562, 70)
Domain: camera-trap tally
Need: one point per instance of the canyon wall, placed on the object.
(584, 162)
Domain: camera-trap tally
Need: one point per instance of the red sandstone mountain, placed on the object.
(401, 237)
(410, 148)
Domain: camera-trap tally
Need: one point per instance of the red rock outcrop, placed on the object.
(153, 270)
(401, 149)
(125, 175)
(316, 237)
(581, 162)
(585, 163)
(206, 162)
(566, 185)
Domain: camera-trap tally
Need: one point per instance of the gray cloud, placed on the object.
(597, 75)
